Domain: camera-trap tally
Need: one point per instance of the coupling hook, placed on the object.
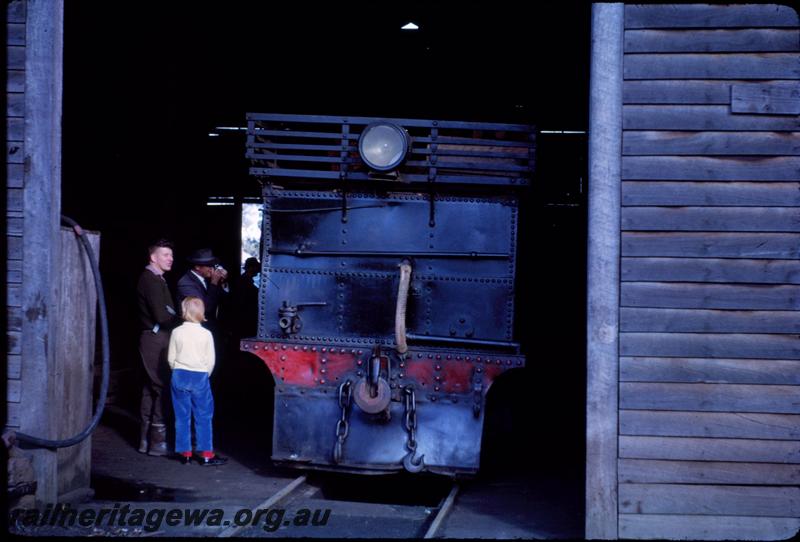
(410, 465)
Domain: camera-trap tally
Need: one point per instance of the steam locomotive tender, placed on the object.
(387, 290)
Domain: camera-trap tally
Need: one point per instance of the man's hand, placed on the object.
(218, 275)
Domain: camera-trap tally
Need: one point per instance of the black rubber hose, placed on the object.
(101, 401)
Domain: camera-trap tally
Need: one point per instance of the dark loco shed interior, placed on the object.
(144, 88)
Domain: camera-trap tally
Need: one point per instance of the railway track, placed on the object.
(341, 506)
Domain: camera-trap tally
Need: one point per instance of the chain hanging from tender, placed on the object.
(342, 425)
(410, 422)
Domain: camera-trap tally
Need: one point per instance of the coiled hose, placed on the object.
(400, 310)
(101, 401)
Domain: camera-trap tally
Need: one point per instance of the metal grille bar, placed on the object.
(451, 152)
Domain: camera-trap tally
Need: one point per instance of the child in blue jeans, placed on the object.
(191, 358)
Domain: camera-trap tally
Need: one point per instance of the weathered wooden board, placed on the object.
(43, 57)
(713, 41)
(14, 318)
(702, 117)
(702, 168)
(765, 100)
(15, 11)
(731, 371)
(654, 143)
(15, 81)
(742, 219)
(14, 225)
(687, 92)
(14, 152)
(647, 471)
(15, 129)
(711, 194)
(13, 271)
(15, 57)
(710, 424)
(709, 16)
(711, 66)
(709, 449)
(710, 345)
(74, 356)
(14, 201)
(13, 293)
(710, 270)
(15, 104)
(12, 415)
(15, 175)
(708, 499)
(16, 34)
(711, 245)
(685, 527)
(769, 399)
(14, 346)
(14, 247)
(13, 391)
(710, 296)
(14, 364)
(708, 321)
(602, 280)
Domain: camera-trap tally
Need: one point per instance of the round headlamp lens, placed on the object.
(383, 146)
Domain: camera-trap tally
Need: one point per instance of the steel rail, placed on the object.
(444, 509)
(276, 498)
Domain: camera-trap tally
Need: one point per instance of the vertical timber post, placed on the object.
(602, 356)
(41, 231)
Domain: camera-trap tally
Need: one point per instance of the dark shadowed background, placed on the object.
(146, 82)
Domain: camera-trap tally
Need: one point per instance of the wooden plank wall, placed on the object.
(15, 132)
(709, 393)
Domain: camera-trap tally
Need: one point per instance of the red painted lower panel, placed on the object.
(308, 365)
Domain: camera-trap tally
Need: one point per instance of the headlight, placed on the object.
(383, 146)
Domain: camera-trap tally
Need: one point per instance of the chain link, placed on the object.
(342, 425)
(410, 420)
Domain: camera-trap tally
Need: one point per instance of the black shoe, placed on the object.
(183, 459)
(211, 461)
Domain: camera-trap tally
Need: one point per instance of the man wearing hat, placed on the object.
(207, 280)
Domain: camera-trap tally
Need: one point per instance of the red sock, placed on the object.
(207, 455)
(187, 454)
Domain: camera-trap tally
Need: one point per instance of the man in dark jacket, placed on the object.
(206, 280)
(157, 317)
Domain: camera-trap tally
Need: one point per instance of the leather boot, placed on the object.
(144, 428)
(158, 439)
